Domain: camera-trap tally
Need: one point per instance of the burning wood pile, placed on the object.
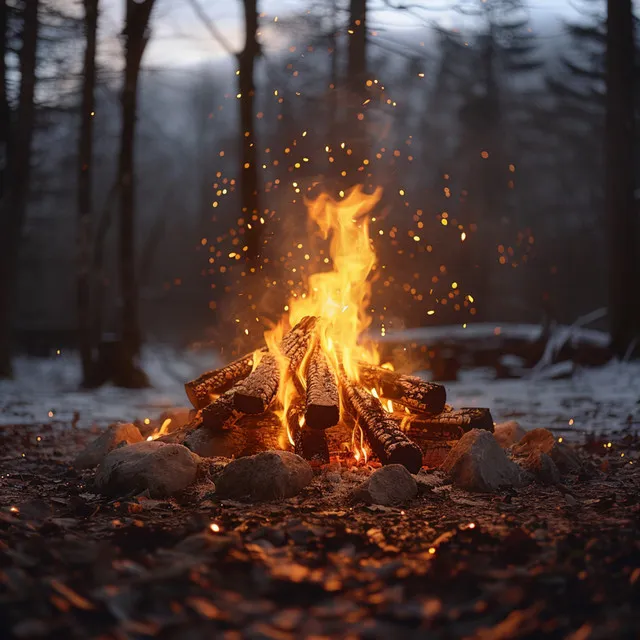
(383, 408)
(317, 370)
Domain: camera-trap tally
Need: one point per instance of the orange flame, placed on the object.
(339, 297)
(161, 431)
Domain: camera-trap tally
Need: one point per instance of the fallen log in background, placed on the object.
(310, 444)
(381, 431)
(256, 392)
(464, 419)
(409, 391)
(212, 383)
(323, 399)
(420, 429)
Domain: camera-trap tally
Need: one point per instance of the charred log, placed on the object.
(464, 419)
(448, 425)
(420, 428)
(381, 431)
(257, 391)
(247, 437)
(212, 383)
(409, 391)
(310, 444)
(323, 400)
(220, 413)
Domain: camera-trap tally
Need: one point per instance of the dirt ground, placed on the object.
(553, 562)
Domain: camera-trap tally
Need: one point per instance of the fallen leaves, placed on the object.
(75, 599)
(318, 565)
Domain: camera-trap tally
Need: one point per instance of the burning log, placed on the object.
(220, 413)
(450, 422)
(382, 432)
(310, 444)
(212, 383)
(256, 392)
(409, 391)
(323, 400)
(247, 437)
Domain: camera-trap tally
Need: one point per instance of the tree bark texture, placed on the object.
(18, 138)
(258, 390)
(622, 215)
(136, 34)
(322, 397)
(382, 432)
(85, 184)
(249, 180)
(212, 383)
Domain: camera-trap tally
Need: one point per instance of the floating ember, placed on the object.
(317, 370)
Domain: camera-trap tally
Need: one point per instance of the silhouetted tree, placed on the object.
(136, 35)
(249, 181)
(85, 174)
(18, 172)
(622, 214)
(355, 130)
(5, 111)
(502, 51)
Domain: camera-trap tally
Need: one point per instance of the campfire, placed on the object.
(318, 370)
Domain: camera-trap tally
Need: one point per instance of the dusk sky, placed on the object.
(181, 39)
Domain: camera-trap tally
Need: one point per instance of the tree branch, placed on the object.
(211, 28)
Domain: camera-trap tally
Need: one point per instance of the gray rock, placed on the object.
(427, 481)
(161, 468)
(477, 463)
(225, 443)
(388, 486)
(543, 441)
(115, 434)
(270, 475)
(508, 433)
(542, 467)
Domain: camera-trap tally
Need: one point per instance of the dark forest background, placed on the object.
(142, 204)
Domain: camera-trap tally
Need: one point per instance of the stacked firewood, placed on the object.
(324, 397)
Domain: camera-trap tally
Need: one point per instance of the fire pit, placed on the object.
(318, 371)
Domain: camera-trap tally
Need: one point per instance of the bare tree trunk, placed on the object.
(357, 63)
(355, 129)
(624, 304)
(5, 111)
(85, 205)
(14, 203)
(248, 157)
(5, 140)
(136, 33)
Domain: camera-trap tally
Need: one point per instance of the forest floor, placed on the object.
(559, 561)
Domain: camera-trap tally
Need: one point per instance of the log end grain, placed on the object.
(437, 398)
(311, 444)
(479, 418)
(248, 403)
(318, 416)
(408, 454)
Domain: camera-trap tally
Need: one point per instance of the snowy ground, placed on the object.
(593, 400)
(48, 389)
(606, 399)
